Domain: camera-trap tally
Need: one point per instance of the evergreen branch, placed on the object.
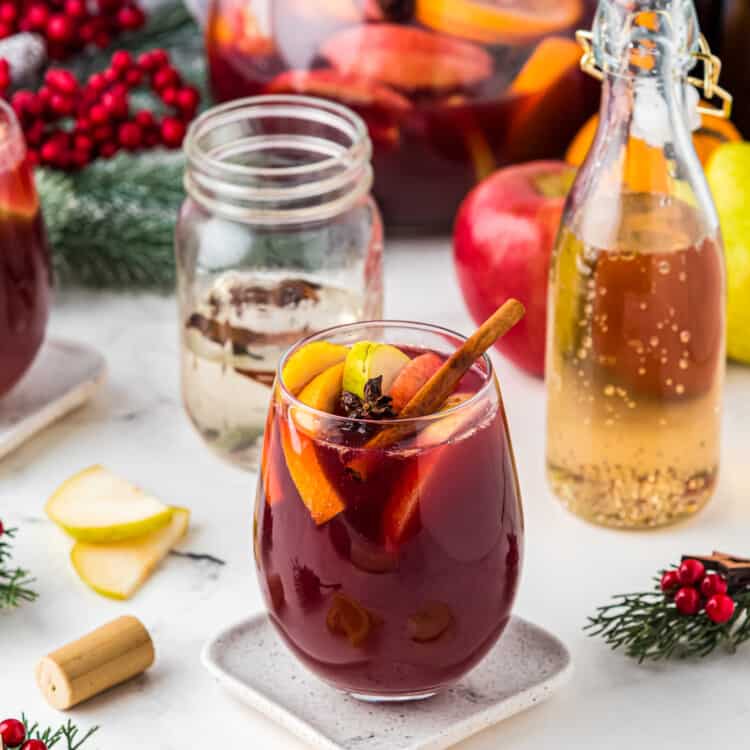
(68, 732)
(648, 626)
(14, 582)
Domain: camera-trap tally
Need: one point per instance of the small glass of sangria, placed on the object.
(25, 276)
(388, 547)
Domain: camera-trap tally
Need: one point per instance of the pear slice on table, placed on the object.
(118, 570)
(367, 360)
(98, 506)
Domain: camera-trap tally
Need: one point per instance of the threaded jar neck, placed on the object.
(278, 160)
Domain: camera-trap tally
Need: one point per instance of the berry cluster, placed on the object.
(693, 589)
(70, 25)
(13, 733)
(102, 121)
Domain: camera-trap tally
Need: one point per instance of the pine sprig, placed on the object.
(14, 582)
(649, 627)
(68, 732)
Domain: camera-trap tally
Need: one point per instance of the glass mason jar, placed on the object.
(450, 89)
(636, 334)
(278, 237)
(394, 584)
(25, 274)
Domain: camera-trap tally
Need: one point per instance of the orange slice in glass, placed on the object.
(349, 618)
(499, 21)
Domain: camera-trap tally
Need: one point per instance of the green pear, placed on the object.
(728, 174)
(97, 506)
(117, 570)
(367, 360)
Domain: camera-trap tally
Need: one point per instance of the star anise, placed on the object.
(374, 405)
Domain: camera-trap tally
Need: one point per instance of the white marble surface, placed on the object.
(136, 426)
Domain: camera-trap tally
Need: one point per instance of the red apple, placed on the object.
(502, 241)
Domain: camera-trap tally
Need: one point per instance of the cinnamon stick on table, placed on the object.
(431, 396)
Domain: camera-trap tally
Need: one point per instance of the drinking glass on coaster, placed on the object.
(278, 238)
(25, 276)
(388, 550)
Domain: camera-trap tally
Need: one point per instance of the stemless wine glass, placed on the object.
(390, 572)
(24, 260)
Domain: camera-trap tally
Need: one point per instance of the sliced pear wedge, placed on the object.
(118, 570)
(367, 360)
(99, 507)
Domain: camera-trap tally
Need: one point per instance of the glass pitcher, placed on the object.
(635, 343)
(450, 89)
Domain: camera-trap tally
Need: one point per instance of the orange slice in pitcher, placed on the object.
(349, 618)
(407, 58)
(499, 21)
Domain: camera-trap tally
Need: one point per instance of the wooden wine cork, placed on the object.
(109, 655)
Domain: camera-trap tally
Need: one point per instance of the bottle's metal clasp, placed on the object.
(709, 83)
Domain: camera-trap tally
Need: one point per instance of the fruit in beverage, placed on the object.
(430, 621)
(315, 490)
(728, 174)
(98, 506)
(495, 22)
(324, 391)
(349, 618)
(367, 360)
(351, 89)
(713, 132)
(502, 242)
(407, 58)
(412, 377)
(309, 361)
(119, 569)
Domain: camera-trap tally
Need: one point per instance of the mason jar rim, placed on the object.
(481, 393)
(224, 187)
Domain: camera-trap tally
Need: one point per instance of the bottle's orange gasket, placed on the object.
(483, 21)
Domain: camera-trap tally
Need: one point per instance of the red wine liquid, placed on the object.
(381, 614)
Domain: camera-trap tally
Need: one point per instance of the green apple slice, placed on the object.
(97, 506)
(367, 360)
(119, 569)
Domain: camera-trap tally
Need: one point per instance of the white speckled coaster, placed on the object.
(523, 669)
(63, 376)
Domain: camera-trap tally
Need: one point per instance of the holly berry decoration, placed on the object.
(70, 26)
(68, 124)
(694, 608)
(26, 736)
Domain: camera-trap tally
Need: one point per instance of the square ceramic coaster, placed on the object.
(63, 376)
(525, 667)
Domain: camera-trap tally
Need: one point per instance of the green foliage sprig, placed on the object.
(68, 732)
(14, 582)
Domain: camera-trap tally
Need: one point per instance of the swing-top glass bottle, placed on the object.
(635, 347)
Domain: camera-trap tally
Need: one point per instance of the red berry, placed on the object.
(130, 136)
(99, 114)
(97, 82)
(34, 133)
(60, 28)
(713, 584)
(13, 732)
(172, 132)
(687, 600)
(82, 143)
(145, 118)
(2, 528)
(188, 99)
(108, 149)
(61, 105)
(8, 13)
(102, 39)
(169, 96)
(670, 581)
(6, 30)
(116, 105)
(108, 6)
(37, 16)
(151, 139)
(4, 73)
(33, 745)
(32, 157)
(87, 32)
(133, 77)
(103, 133)
(75, 8)
(83, 125)
(165, 77)
(130, 17)
(61, 80)
(121, 60)
(691, 571)
(720, 608)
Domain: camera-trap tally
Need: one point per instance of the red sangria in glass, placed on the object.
(450, 89)
(388, 571)
(24, 259)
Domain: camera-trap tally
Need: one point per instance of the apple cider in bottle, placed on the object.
(635, 342)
